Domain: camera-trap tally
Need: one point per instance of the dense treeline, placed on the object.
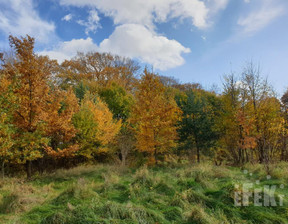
(96, 108)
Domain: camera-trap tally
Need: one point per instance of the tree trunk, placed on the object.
(284, 149)
(156, 157)
(41, 165)
(239, 156)
(198, 154)
(261, 152)
(29, 169)
(123, 161)
(2, 169)
(123, 158)
(247, 156)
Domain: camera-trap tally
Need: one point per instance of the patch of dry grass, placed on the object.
(18, 196)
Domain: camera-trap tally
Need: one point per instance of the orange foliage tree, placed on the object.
(237, 126)
(7, 130)
(60, 128)
(38, 111)
(98, 68)
(154, 117)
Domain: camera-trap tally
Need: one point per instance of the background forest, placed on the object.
(102, 108)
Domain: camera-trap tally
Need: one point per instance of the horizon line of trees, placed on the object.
(95, 108)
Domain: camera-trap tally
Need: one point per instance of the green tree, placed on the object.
(197, 126)
(118, 100)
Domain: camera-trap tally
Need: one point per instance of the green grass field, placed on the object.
(109, 194)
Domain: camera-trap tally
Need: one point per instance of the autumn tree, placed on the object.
(100, 68)
(59, 126)
(236, 125)
(252, 120)
(7, 129)
(96, 126)
(284, 134)
(154, 117)
(168, 81)
(125, 142)
(258, 95)
(120, 103)
(29, 74)
(271, 126)
(40, 114)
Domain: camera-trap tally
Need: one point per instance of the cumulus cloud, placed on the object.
(216, 5)
(259, 18)
(67, 18)
(150, 11)
(135, 33)
(196, 10)
(136, 41)
(68, 49)
(131, 40)
(18, 17)
(92, 23)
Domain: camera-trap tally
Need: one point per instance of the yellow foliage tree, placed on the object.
(96, 126)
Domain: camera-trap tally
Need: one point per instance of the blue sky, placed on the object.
(192, 40)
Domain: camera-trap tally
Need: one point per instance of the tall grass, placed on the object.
(190, 193)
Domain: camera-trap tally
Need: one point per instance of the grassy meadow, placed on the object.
(191, 193)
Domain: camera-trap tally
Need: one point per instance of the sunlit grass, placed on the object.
(191, 193)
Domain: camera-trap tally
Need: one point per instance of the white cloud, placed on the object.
(261, 17)
(216, 5)
(134, 36)
(136, 41)
(150, 11)
(18, 17)
(196, 10)
(68, 49)
(67, 18)
(92, 24)
(135, 33)
(131, 40)
(247, 1)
